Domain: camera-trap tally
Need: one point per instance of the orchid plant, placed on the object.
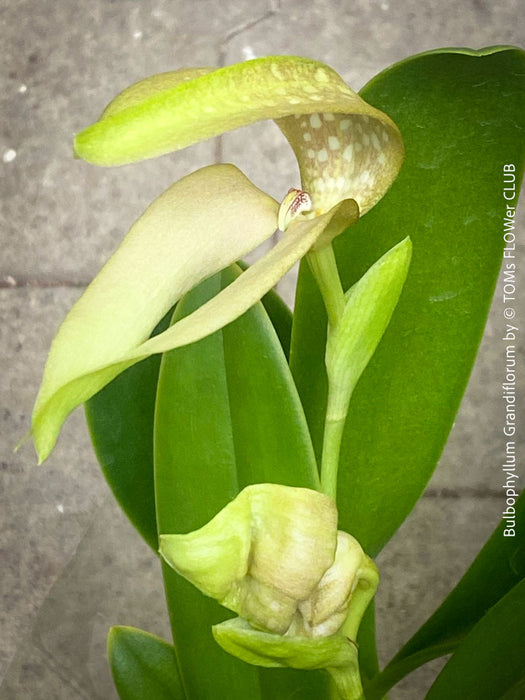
(269, 456)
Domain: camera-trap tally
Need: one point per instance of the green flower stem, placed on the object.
(333, 434)
(347, 681)
(324, 268)
(361, 598)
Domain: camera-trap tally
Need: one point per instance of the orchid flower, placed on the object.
(348, 152)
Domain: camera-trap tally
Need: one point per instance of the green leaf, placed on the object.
(120, 421)
(490, 661)
(462, 117)
(143, 666)
(279, 313)
(227, 416)
(345, 147)
(499, 566)
(517, 692)
(201, 224)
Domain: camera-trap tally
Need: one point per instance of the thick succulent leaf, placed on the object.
(491, 660)
(143, 666)
(517, 692)
(279, 313)
(228, 415)
(345, 147)
(201, 224)
(120, 420)
(448, 199)
(499, 567)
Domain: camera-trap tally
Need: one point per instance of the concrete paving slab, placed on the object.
(419, 567)
(113, 578)
(60, 218)
(361, 38)
(45, 510)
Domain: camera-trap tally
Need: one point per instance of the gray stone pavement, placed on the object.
(71, 565)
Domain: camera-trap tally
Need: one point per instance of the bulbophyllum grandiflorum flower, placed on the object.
(348, 152)
(274, 556)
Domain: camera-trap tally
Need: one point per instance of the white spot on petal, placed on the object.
(334, 143)
(345, 123)
(321, 75)
(315, 121)
(328, 117)
(381, 158)
(375, 142)
(385, 137)
(348, 152)
(307, 136)
(9, 155)
(310, 153)
(322, 155)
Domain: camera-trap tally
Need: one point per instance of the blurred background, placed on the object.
(71, 564)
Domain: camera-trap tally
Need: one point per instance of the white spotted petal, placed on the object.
(345, 147)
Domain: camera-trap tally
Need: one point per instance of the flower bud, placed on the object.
(275, 557)
(324, 612)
